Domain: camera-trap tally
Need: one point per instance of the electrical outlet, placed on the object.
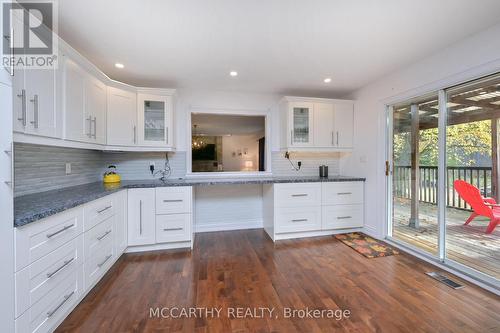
(68, 168)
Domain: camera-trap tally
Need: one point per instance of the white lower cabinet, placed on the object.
(173, 228)
(312, 209)
(141, 216)
(60, 258)
(121, 222)
(342, 217)
(296, 219)
(37, 280)
(160, 218)
(98, 263)
(50, 311)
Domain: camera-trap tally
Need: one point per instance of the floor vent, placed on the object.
(444, 279)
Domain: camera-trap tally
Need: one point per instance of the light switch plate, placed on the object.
(68, 168)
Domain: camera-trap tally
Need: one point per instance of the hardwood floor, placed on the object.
(245, 269)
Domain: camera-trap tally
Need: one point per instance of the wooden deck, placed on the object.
(466, 244)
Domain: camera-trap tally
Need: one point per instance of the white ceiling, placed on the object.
(277, 46)
(216, 124)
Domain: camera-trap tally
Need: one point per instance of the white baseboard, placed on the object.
(317, 233)
(371, 231)
(248, 224)
(156, 247)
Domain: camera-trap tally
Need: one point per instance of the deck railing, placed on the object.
(478, 176)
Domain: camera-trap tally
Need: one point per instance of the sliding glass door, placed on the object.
(414, 176)
(473, 111)
(443, 176)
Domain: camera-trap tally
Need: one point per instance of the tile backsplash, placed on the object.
(42, 168)
(310, 163)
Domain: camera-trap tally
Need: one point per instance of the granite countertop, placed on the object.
(33, 207)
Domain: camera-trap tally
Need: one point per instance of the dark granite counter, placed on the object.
(33, 207)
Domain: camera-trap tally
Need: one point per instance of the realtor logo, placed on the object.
(29, 29)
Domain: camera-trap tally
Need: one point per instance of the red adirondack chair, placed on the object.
(481, 206)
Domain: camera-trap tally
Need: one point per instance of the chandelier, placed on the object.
(197, 141)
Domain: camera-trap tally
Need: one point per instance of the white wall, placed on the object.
(471, 58)
(238, 144)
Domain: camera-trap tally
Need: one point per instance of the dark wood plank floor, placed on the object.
(245, 269)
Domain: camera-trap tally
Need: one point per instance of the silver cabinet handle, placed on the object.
(300, 220)
(167, 133)
(343, 217)
(176, 200)
(135, 134)
(22, 95)
(300, 195)
(344, 193)
(332, 139)
(104, 209)
(68, 296)
(89, 120)
(95, 127)
(61, 230)
(9, 152)
(66, 263)
(104, 261)
(337, 138)
(291, 137)
(140, 217)
(35, 111)
(103, 235)
(172, 229)
(10, 69)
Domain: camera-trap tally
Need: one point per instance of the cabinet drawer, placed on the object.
(295, 195)
(342, 193)
(98, 211)
(42, 276)
(50, 310)
(298, 219)
(38, 239)
(173, 200)
(98, 264)
(342, 217)
(173, 228)
(97, 236)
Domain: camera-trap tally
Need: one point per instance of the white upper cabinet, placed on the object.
(155, 119)
(77, 127)
(344, 125)
(34, 93)
(316, 124)
(85, 105)
(301, 124)
(95, 108)
(35, 106)
(121, 117)
(324, 119)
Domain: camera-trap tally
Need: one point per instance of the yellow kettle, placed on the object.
(111, 176)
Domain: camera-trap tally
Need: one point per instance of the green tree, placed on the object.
(465, 143)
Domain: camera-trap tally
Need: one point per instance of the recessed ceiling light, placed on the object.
(327, 80)
(118, 65)
(233, 73)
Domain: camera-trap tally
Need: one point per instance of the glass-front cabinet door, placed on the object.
(155, 120)
(301, 122)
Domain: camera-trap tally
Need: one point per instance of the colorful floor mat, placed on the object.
(367, 246)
